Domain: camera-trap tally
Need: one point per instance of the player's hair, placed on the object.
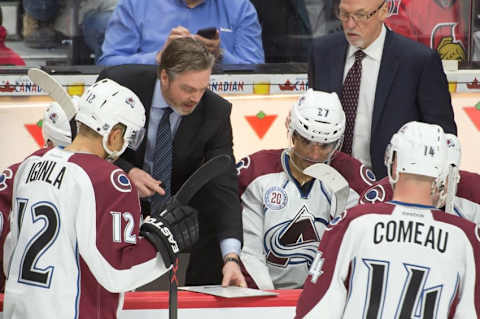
(86, 131)
(185, 54)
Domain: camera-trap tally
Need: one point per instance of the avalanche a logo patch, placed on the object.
(275, 198)
(294, 241)
(368, 175)
(120, 181)
(6, 175)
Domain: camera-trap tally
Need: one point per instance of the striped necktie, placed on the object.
(162, 159)
(349, 99)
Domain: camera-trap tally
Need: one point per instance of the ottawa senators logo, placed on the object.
(443, 39)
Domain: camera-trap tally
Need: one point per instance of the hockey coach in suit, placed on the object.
(199, 123)
(401, 80)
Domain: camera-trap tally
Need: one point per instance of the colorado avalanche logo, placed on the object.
(294, 241)
(120, 181)
(243, 164)
(373, 195)
(130, 101)
(4, 177)
(53, 117)
(275, 198)
(367, 175)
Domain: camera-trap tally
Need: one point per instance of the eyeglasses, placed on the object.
(357, 16)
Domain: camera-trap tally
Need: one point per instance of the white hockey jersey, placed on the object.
(395, 260)
(467, 199)
(282, 221)
(74, 228)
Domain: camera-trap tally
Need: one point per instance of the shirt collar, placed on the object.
(374, 50)
(158, 101)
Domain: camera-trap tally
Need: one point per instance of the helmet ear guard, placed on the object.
(106, 104)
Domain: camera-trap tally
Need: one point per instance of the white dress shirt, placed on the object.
(366, 98)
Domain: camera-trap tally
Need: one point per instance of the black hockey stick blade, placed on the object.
(205, 173)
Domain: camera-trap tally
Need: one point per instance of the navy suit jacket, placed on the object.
(203, 134)
(411, 86)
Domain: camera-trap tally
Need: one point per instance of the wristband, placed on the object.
(234, 259)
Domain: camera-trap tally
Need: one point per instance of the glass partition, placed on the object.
(451, 27)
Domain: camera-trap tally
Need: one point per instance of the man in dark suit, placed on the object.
(401, 80)
(200, 128)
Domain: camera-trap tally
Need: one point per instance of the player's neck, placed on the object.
(297, 172)
(85, 145)
(413, 191)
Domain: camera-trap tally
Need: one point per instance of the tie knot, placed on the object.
(359, 55)
(167, 110)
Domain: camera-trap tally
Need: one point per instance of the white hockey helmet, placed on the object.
(421, 149)
(56, 126)
(107, 103)
(318, 117)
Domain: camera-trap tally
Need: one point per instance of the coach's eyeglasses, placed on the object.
(357, 16)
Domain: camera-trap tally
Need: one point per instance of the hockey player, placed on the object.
(401, 259)
(285, 211)
(57, 131)
(465, 201)
(74, 244)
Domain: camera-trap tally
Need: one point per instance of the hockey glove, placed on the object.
(172, 231)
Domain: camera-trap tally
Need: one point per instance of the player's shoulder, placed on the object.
(468, 187)
(258, 164)
(470, 229)
(359, 176)
(380, 191)
(104, 176)
(359, 211)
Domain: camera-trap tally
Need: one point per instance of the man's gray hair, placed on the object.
(185, 54)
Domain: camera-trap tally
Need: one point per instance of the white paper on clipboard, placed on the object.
(229, 292)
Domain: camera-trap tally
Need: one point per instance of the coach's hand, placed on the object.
(172, 231)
